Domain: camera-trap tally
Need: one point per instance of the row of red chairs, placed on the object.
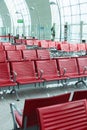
(73, 112)
(13, 47)
(19, 55)
(72, 47)
(28, 72)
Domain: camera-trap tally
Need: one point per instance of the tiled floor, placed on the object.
(5, 115)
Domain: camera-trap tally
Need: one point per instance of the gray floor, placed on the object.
(5, 115)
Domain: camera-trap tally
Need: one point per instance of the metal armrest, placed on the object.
(14, 76)
(13, 108)
(85, 68)
(64, 71)
(41, 73)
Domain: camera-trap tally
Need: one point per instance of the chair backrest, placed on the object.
(64, 47)
(78, 95)
(1, 48)
(73, 47)
(48, 67)
(4, 71)
(81, 47)
(29, 54)
(2, 56)
(82, 65)
(67, 66)
(29, 42)
(44, 44)
(31, 105)
(20, 47)
(24, 69)
(14, 55)
(52, 44)
(66, 116)
(9, 47)
(43, 54)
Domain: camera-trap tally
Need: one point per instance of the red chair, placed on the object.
(6, 43)
(43, 54)
(1, 48)
(9, 47)
(14, 55)
(5, 76)
(78, 95)
(27, 118)
(29, 42)
(20, 47)
(81, 47)
(73, 47)
(47, 70)
(64, 47)
(44, 44)
(3, 56)
(52, 44)
(66, 116)
(25, 72)
(29, 54)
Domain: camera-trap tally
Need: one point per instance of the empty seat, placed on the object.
(81, 47)
(9, 47)
(5, 76)
(66, 116)
(25, 72)
(64, 47)
(47, 70)
(29, 115)
(52, 44)
(20, 47)
(73, 47)
(6, 43)
(68, 67)
(43, 54)
(29, 54)
(14, 55)
(78, 95)
(29, 42)
(44, 44)
(1, 47)
(2, 56)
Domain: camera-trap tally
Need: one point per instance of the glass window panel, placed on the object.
(83, 8)
(66, 2)
(74, 2)
(84, 18)
(82, 1)
(85, 29)
(75, 28)
(67, 11)
(68, 19)
(75, 9)
(75, 19)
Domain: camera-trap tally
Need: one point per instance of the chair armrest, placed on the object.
(85, 68)
(64, 71)
(14, 76)
(13, 108)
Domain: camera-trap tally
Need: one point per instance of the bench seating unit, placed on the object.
(28, 116)
(66, 116)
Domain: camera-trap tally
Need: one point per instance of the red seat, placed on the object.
(9, 47)
(43, 54)
(29, 114)
(52, 44)
(82, 64)
(29, 54)
(64, 47)
(14, 55)
(44, 44)
(47, 69)
(20, 47)
(6, 43)
(29, 42)
(66, 116)
(81, 47)
(25, 72)
(78, 95)
(2, 56)
(5, 76)
(1, 48)
(73, 47)
(68, 67)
